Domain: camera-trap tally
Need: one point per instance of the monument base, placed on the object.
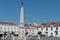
(21, 38)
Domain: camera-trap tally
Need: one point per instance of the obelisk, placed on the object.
(22, 26)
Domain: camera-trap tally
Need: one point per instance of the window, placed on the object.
(30, 30)
(51, 33)
(8, 27)
(37, 28)
(0, 28)
(51, 28)
(14, 28)
(41, 28)
(56, 28)
(4, 28)
(46, 28)
(11, 28)
(18, 31)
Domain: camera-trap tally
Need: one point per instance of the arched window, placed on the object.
(56, 28)
(51, 35)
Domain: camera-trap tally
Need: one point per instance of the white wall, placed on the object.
(44, 30)
(9, 29)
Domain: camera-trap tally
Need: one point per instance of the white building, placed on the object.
(47, 29)
(6, 27)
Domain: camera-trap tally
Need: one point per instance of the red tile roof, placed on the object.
(55, 24)
(47, 25)
(27, 27)
(7, 23)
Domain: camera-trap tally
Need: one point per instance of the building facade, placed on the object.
(6, 28)
(46, 29)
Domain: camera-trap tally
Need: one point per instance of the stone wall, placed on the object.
(50, 38)
(44, 38)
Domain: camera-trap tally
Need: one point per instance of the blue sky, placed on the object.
(39, 11)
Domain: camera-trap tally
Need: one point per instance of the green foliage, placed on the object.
(26, 33)
(39, 33)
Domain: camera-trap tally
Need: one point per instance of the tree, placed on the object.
(5, 33)
(56, 32)
(26, 33)
(12, 33)
(46, 32)
(39, 33)
(0, 36)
